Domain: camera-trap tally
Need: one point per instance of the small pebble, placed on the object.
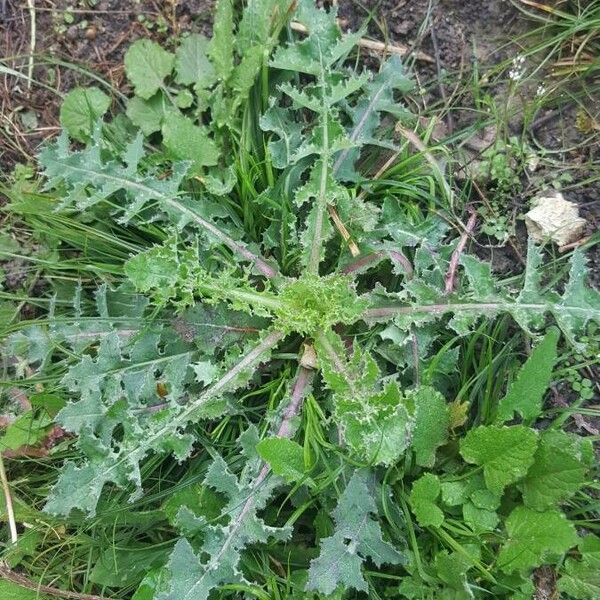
(91, 32)
(73, 32)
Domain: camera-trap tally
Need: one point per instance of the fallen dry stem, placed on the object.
(354, 250)
(451, 275)
(379, 47)
(10, 513)
(32, 34)
(10, 575)
(542, 7)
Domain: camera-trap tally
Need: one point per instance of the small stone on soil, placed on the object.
(73, 32)
(556, 219)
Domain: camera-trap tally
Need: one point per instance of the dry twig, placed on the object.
(32, 32)
(343, 230)
(10, 513)
(451, 275)
(10, 575)
(380, 47)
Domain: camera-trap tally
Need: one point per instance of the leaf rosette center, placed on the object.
(312, 303)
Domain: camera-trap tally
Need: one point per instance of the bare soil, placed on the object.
(93, 35)
(447, 29)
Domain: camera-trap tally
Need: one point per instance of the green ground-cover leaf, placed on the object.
(376, 421)
(80, 111)
(26, 430)
(559, 469)
(191, 62)
(285, 457)
(149, 423)
(431, 424)
(149, 114)
(186, 141)
(452, 569)
(581, 578)
(578, 305)
(147, 65)
(479, 504)
(480, 520)
(533, 537)
(505, 453)
(221, 44)
(90, 179)
(13, 591)
(423, 500)
(192, 578)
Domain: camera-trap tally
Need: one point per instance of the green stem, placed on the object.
(413, 538)
(458, 548)
(317, 242)
(255, 298)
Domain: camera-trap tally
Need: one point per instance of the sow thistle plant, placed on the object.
(228, 298)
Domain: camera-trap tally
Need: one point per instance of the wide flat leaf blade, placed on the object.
(505, 453)
(147, 65)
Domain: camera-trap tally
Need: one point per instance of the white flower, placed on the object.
(518, 69)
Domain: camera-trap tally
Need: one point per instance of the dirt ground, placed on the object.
(451, 25)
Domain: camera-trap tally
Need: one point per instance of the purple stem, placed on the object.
(302, 382)
(401, 260)
(451, 275)
(357, 265)
(299, 391)
(285, 427)
(394, 255)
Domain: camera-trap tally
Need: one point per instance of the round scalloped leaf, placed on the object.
(147, 65)
(81, 109)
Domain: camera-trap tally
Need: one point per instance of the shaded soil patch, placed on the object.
(93, 39)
